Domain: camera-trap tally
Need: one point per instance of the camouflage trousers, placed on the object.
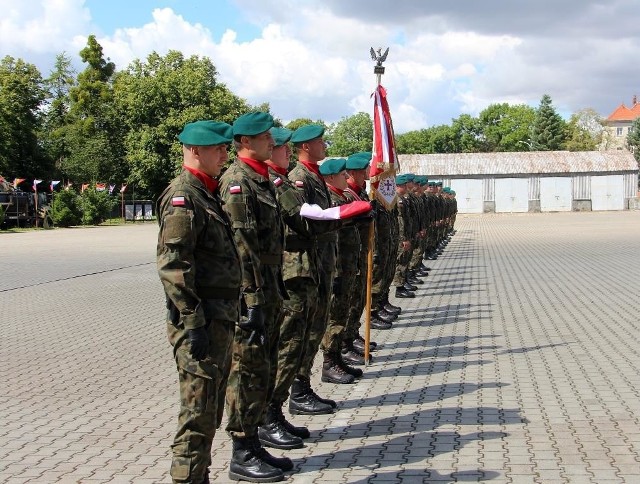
(253, 373)
(383, 265)
(404, 257)
(417, 253)
(357, 299)
(337, 326)
(388, 274)
(202, 391)
(294, 328)
(318, 320)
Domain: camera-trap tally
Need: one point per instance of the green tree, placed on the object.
(584, 131)
(549, 129)
(468, 134)
(155, 99)
(633, 139)
(21, 96)
(350, 135)
(93, 136)
(55, 119)
(95, 206)
(65, 209)
(296, 123)
(506, 128)
(413, 142)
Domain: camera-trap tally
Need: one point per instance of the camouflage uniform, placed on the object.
(407, 230)
(300, 269)
(200, 270)
(347, 268)
(314, 191)
(358, 292)
(250, 201)
(384, 259)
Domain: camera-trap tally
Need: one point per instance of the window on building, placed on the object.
(618, 131)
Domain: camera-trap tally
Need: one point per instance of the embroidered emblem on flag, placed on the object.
(277, 182)
(235, 189)
(299, 183)
(177, 201)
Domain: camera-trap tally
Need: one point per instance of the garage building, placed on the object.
(533, 181)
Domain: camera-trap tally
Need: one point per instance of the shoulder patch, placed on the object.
(299, 183)
(235, 189)
(177, 201)
(277, 182)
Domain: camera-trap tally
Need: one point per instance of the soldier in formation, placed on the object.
(254, 290)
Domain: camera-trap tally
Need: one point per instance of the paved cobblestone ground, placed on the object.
(517, 363)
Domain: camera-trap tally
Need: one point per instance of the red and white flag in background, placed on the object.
(384, 160)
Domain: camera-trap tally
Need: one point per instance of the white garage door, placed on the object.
(607, 192)
(555, 194)
(468, 195)
(512, 195)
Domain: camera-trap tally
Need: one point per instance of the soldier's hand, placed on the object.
(199, 342)
(337, 286)
(254, 320)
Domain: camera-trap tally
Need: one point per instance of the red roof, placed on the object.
(623, 113)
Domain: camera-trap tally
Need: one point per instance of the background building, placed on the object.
(533, 181)
(618, 125)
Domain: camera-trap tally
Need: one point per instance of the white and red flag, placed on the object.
(384, 160)
(348, 210)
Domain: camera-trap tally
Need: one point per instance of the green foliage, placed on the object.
(506, 128)
(633, 139)
(21, 95)
(96, 206)
(93, 132)
(155, 99)
(350, 135)
(65, 209)
(549, 130)
(55, 114)
(584, 131)
(296, 123)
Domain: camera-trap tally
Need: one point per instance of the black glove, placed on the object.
(199, 341)
(254, 320)
(337, 286)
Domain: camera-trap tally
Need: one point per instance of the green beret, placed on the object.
(359, 161)
(251, 124)
(280, 136)
(402, 179)
(438, 183)
(432, 184)
(307, 133)
(333, 166)
(410, 176)
(421, 180)
(206, 133)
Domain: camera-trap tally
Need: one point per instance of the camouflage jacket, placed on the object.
(197, 259)
(348, 240)
(314, 191)
(250, 201)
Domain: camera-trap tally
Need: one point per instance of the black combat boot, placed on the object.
(282, 463)
(392, 314)
(401, 292)
(354, 372)
(333, 372)
(274, 434)
(382, 316)
(358, 344)
(302, 432)
(413, 279)
(410, 287)
(390, 308)
(246, 465)
(350, 355)
(304, 402)
(379, 324)
(328, 401)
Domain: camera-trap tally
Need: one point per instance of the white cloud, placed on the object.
(311, 59)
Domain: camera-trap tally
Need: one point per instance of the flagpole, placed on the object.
(378, 70)
(35, 199)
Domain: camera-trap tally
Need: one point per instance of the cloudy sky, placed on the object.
(310, 58)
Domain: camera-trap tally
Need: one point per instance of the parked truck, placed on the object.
(18, 208)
